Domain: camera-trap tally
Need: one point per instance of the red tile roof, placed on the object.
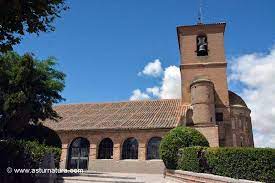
(148, 114)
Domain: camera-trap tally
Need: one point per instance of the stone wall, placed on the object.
(174, 176)
(129, 166)
(211, 133)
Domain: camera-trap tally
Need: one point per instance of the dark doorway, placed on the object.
(79, 154)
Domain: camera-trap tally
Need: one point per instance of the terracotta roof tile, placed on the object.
(148, 114)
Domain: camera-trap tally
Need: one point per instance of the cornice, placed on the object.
(209, 64)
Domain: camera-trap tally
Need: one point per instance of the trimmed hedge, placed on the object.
(242, 163)
(23, 154)
(178, 138)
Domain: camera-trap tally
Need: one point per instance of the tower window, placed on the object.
(219, 116)
(202, 46)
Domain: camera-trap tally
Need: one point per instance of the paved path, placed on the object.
(97, 177)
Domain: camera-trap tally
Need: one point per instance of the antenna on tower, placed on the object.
(200, 13)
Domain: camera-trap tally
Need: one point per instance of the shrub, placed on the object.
(241, 163)
(178, 138)
(38, 151)
(23, 154)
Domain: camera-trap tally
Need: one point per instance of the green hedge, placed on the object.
(178, 138)
(241, 163)
(23, 154)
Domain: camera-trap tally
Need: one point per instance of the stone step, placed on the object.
(98, 175)
(102, 179)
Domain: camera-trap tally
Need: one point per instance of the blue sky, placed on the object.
(102, 44)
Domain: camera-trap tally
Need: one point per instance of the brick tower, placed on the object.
(203, 74)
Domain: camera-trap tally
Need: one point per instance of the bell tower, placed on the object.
(213, 110)
(203, 75)
(202, 57)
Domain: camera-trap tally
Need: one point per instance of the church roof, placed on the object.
(149, 114)
(236, 100)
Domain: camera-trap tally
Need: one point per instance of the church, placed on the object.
(125, 136)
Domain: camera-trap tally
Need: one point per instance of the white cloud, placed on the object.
(257, 73)
(152, 69)
(138, 95)
(155, 91)
(171, 83)
(169, 87)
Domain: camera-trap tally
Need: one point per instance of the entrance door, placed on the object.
(79, 154)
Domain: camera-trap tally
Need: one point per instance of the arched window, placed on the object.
(153, 148)
(130, 149)
(79, 154)
(105, 150)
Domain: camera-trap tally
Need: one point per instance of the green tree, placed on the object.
(18, 17)
(28, 90)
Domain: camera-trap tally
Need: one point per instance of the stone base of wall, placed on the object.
(174, 176)
(211, 133)
(128, 166)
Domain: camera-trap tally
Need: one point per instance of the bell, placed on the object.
(202, 48)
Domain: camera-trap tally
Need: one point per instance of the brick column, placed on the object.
(63, 157)
(116, 151)
(93, 152)
(142, 148)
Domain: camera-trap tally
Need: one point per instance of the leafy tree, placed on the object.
(28, 90)
(18, 17)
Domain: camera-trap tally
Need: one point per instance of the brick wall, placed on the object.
(118, 137)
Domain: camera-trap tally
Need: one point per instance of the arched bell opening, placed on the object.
(202, 45)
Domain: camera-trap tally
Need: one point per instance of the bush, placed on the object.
(178, 138)
(242, 163)
(38, 151)
(23, 154)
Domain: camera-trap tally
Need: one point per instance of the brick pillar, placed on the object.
(63, 158)
(142, 149)
(116, 151)
(93, 152)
